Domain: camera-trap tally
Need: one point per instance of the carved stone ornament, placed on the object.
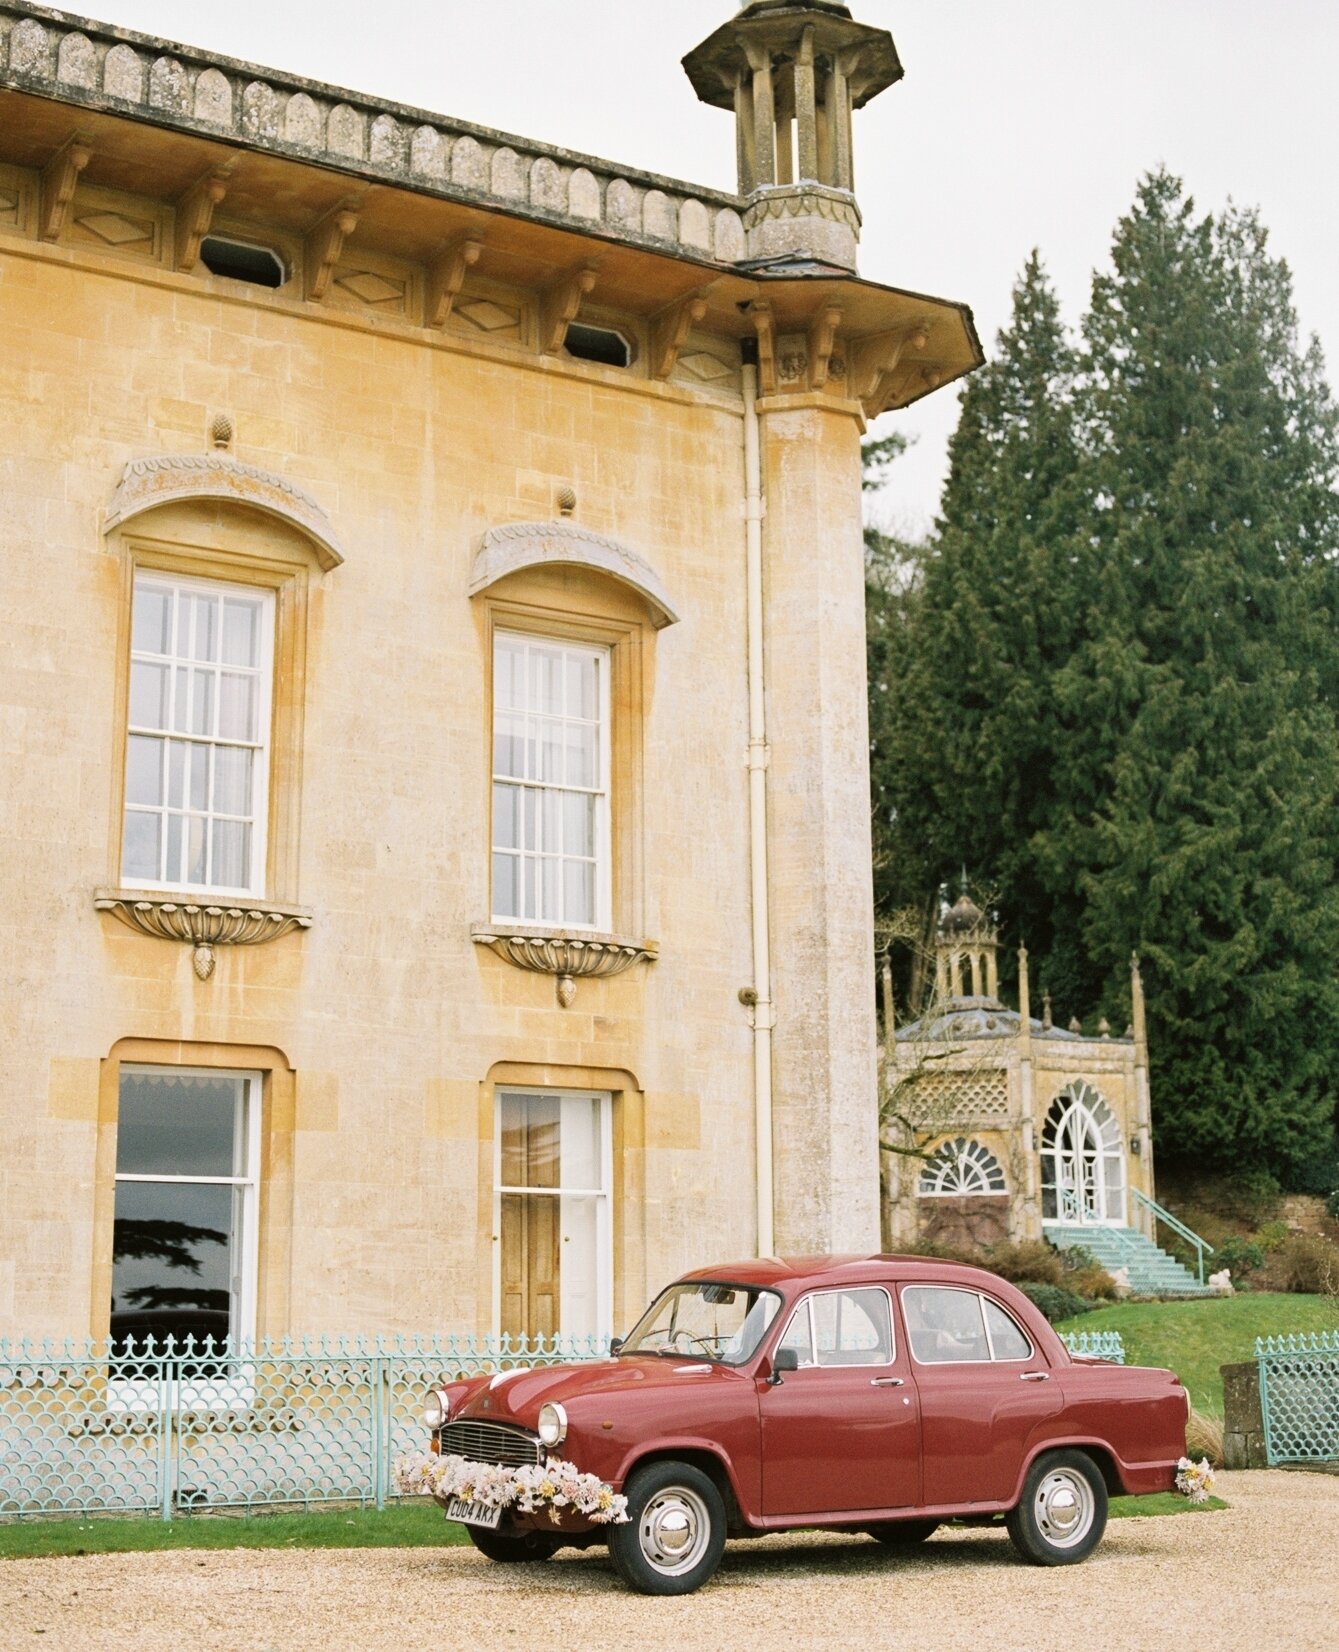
(568, 957)
(176, 918)
(169, 478)
(515, 545)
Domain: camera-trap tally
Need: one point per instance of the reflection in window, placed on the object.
(944, 1325)
(553, 1213)
(550, 782)
(1007, 1340)
(183, 1238)
(842, 1328)
(198, 735)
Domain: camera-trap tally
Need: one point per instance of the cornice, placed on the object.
(91, 65)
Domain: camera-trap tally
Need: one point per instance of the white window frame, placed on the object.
(236, 1390)
(604, 1225)
(981, 1299)
(804, 1306)
(603, 857)
(949, 1160)
(262, 746)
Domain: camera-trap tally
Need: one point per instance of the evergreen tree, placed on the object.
(963, 728)
(1204, 790)
(1110, 683)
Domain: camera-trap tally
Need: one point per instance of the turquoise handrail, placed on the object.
(1177, 1226)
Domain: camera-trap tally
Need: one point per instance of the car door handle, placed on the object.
(887, 1382)
(1035, 1376)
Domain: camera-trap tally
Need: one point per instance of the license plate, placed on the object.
(472, 1514)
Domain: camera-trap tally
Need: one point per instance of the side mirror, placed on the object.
(615, 1346)
(785, 1359)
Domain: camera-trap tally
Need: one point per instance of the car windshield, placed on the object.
(714, 1321)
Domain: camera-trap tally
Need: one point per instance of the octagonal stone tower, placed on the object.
(793, 73)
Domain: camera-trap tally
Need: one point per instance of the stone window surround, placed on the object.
(159, 530)
(533, 601)
(278, 1107)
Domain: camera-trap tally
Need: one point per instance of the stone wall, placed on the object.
(1243, 1418)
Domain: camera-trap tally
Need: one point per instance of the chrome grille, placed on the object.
(490, 1443)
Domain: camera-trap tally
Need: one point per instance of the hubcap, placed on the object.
(674, 1530)
(1065, 1508)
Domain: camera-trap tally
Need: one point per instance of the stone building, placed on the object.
(434, 842)
(1024, 1129)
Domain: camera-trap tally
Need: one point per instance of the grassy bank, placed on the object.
(1195, 1338)
(415, 1525)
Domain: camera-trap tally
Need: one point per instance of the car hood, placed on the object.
(516, 1396)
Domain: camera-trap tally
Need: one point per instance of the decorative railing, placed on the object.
(175, 1428)
(179, 1428)
(1202, 1246)
(1096, 1344)
(1299, 1396)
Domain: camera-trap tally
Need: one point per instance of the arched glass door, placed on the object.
(1082, 1162)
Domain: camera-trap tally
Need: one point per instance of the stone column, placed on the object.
(824, 1060)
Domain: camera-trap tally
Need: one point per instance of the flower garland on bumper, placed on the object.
(556, 1487)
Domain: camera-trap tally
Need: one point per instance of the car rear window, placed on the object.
(948, 1325)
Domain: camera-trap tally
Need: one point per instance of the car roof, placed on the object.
(801, 1272)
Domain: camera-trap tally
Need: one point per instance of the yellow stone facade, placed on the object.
(348, 441)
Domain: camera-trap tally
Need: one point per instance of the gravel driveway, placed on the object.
(1263, 1573)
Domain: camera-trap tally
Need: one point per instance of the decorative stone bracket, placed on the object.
(175, 918)
(568, 957)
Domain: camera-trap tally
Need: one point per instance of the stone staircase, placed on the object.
(1152, 1272)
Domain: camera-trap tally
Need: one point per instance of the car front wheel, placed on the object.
(513, 1547)
(1062, 1513)
(675, 1532)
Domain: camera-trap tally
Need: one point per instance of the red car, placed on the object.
(883, 1394)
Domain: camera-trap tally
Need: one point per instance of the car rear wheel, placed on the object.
(903, 1534)
(1062, 1513)
(513, 1547)
(675, 1532)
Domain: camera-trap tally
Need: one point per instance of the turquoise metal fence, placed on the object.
(172, 1429)
(1299, 1397)
(179, 1428)
(1096, 1344)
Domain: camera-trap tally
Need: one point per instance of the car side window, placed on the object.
(944, 1325)
(1007, 1338)
(842, 1328)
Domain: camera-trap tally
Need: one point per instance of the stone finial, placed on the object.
(221, 431)
(1104, 1028)
(1075, 1025)
(566, 499)
(1046, 1011)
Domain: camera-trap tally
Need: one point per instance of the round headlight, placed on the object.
(552, 1425)
(436, 1411)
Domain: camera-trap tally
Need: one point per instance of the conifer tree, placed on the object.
(962, 723)
(1204, 789)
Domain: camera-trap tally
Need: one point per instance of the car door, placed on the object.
(984, 1391)
(842, 1432)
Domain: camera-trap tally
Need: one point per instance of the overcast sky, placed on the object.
(1020, 123)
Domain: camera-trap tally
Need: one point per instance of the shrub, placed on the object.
(1242, 1256)
(1033, 1260)
(1092, 1281)
(1309, 1264)
(1053, 1300)
(1204, 1438)
(1272, 1235)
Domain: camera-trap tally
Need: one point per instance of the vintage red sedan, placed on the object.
(883, 1394)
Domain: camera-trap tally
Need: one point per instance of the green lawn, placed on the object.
(1194, 1338)
(1161, 1502)
(415, 1525)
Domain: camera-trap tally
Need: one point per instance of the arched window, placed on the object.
(1082, 1164)
(961, 1167)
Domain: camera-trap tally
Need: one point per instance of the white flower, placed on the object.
(1194, 1480)
(553, 1487)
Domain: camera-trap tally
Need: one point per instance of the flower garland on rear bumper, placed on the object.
(557, 1487)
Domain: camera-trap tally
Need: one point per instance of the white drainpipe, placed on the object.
(763, 1014)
